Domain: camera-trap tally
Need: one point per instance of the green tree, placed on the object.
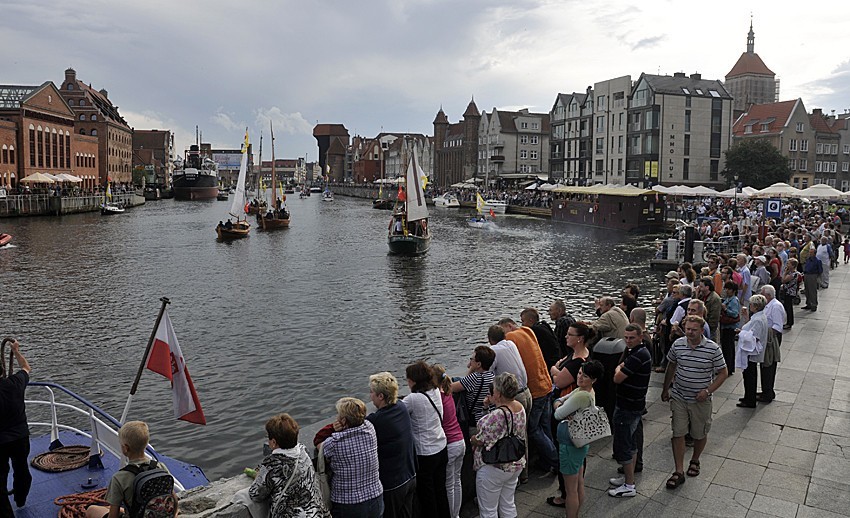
(757, 163)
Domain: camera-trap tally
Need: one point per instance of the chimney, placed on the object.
(104, 93)
(817, 111)
(679, 74)
(696, 77)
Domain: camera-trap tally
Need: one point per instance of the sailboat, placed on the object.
(108, 208)
(279, 217)
(257, 204)
(409, 233)
(481, 221)
(241, 227)
(327, 194)
(382, 203)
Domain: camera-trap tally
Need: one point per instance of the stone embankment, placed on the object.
(47, 205)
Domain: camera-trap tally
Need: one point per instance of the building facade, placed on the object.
(161, 145)
(750, 81)
(334, 158)
(456, 147)
(8, 154)
(96, 116)
(609, 129)
(577, 138)
(513, 145)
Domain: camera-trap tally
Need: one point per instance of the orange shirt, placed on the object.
(539, 381)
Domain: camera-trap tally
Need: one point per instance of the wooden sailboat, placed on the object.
(409, 233)
(241, 228)
(258, 203)
(278, 217)
(381, 202)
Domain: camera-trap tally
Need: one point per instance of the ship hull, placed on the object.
(201, 187)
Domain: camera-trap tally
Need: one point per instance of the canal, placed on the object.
(281, 322)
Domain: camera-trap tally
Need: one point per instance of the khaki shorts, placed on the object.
(693, 418)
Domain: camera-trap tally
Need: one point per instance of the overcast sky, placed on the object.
(389, 65)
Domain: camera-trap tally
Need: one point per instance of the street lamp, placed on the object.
(735, 203)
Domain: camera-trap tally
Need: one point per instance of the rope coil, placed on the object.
(64, 458)
(74, 506)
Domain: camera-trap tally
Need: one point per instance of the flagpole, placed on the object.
(165, 302)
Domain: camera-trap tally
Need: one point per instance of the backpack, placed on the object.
(153, 491)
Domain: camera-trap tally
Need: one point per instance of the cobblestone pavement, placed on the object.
(784, 459)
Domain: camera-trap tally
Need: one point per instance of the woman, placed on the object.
(572, 458)
(474, 384)
(352, 452)
(686, 271)
(496, 483)
(788, 290)
(456, 447)
(730, 316)
(425, 406)
(774, 267)
(565, 375)
(286, 479)
(752, 340)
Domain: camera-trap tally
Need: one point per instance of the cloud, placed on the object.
(646, 43)
(291, 123)
(831, 92)
(226, 121)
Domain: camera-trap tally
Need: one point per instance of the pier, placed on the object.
(49, 205)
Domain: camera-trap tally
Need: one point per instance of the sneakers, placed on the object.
(617, 481)
(622, 491)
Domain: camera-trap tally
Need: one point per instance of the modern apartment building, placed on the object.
(609, 130)
(513, 145)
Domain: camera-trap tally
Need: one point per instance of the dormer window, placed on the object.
(765, 126)
(698, 91)
(70, 86)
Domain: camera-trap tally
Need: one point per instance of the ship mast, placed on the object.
(274, 175)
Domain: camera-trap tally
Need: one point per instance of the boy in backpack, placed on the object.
(134, 437)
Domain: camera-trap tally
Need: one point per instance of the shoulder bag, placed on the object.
(589, 424)
(510, 448)
(465, 414)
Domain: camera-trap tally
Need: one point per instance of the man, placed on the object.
(14, 432)
(612, 320)
(712, 306)
(632, 377)
(761, 276)
(681, 311)
(545, 337)
(824, 253)
(563, 321)
(776, 317)
(696, 369)
(811, 279)
(745, 285)
(539, 385)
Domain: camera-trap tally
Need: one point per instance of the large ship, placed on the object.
(196, 177)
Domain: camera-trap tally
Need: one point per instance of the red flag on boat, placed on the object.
(492, 213)
(402, 197)
(166, 359)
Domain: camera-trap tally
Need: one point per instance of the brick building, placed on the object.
(160, 145)
(750, 81)
(456, 147)
(333, 151)
(95, 115)
(8, 153)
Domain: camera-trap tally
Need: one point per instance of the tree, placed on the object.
(757, 163)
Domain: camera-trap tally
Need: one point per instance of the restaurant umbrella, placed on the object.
(37, 178)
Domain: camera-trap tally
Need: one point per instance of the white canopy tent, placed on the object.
(778, 190)
(822, 191)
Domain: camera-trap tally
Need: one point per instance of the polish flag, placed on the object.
(166, 359)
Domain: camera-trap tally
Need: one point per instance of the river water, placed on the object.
(280, 322)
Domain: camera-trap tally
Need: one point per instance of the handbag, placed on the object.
(323, 476)
(509, 448)
(588, 425)
(464, 413)
(726, 319)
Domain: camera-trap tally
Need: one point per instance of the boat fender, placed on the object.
(595, 207)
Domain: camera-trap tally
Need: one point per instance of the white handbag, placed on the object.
(589, 424)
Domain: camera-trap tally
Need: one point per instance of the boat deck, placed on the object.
(46, 487)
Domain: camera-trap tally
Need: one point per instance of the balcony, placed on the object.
(497, 158)
(557, 155)
(498, 143)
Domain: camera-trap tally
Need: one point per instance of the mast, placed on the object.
(260, 164)
(274, 175)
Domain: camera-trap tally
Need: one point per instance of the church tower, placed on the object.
(750, 81)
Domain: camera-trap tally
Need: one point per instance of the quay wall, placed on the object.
(47, 205)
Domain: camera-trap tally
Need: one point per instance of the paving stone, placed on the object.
(835, 424)
(790, 457)
(784, 485)
(824, 496)
(776, 413)
(724, 501)
(833, 468)
(673, 509)
(804, 511)
(774, 506)
(800, 439)
(739, 475)
(767, 433)
(835, 446)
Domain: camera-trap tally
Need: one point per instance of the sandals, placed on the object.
(693, 468)
(551, 501)
(675, 480)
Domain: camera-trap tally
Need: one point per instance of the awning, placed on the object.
(37, 178)
(532, 187)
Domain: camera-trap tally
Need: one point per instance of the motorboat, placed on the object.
(327, 195)
(110, 209)
(447, 200)
(223, 195)
(5, 239)
(497, 206)
(480, 222)
(383, 204)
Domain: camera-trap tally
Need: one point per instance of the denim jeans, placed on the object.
(539, 430)
(373, 508)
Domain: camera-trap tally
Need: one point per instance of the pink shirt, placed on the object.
(450, 424)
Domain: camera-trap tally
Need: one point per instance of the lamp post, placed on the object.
(735, 202)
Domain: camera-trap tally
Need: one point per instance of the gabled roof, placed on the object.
(749, 63)
(99, 100)
(775, 115)
(674, 85)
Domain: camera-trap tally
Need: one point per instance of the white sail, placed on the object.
(416, 208)
(238, 206)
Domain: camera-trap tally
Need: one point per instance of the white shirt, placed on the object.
(427, 427)
(509, 360)
(775, 313)
(680, 313)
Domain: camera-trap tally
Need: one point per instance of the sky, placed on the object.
(390, 65)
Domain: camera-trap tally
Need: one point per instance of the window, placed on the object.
(535, 125)
(686, 91)
(698, 91)
(792, 144)
(713, 93)
(714, 169)
(67, 149)
(11, 154)
(845, 166)
(600, 124)
(523, 139)
(847, 149)
(94, 133)
(831, 182)
(535, 139)
(748, 129)
(82, 102)
(600, 102)
(818, 167)
(82, 117)
(619, 143)
(804, 145)
(32, 145)
(600, 145)
(832, 166)
(620, 123)
(805, 183)
(799, 127)
(792, 164)
(686, 168)
(70, 86)
(71, 102)
(40, 147)
(688, 101)
(523, 125)
(845, 184)
(523, 154)
(803, 164)
(765, 126)
(634, 145)
(5, 158)
(93, 117)
(819, 148)
(82, 131)
(834, 149)
(533, 155)
(687, 120)
(687, 150)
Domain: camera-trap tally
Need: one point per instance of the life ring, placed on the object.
(595, 207)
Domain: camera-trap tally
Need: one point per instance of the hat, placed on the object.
(672, 274)
(760, 258)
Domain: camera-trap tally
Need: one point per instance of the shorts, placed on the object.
(570, 458)
(693, 418)
(623, 428)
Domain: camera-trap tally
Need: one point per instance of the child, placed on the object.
(134, 437)
(846, 250)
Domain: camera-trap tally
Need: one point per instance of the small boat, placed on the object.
(409, 233)
(383, 204)
(110, 209)
(327, 195)
(223, 195)
(447, 200)
(499, 207)
(152, 193)
(481, 221)
(316, 189)
(256, 206)
(4, 239)
(289, 190)
(278, 217)
(230, 230)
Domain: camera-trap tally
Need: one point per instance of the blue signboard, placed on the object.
(773, 208)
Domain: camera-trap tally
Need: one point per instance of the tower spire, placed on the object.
(751, 38)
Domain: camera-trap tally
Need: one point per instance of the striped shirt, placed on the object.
(474, 384)
(695, 368)
(637, 366)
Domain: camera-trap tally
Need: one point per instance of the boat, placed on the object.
(108, 208)
(447, 200)
(289, 190)
(152, 193)
(230, 230)
(196, 177)
(498, 206)
(315, 189)
(79, 429)
(278, 217)
(383, 204)
(223, 195)
(327, 195)
(625, 208)
(409, 233)
(4, 239)
(481, 220)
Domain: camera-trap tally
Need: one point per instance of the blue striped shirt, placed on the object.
(695, 368)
